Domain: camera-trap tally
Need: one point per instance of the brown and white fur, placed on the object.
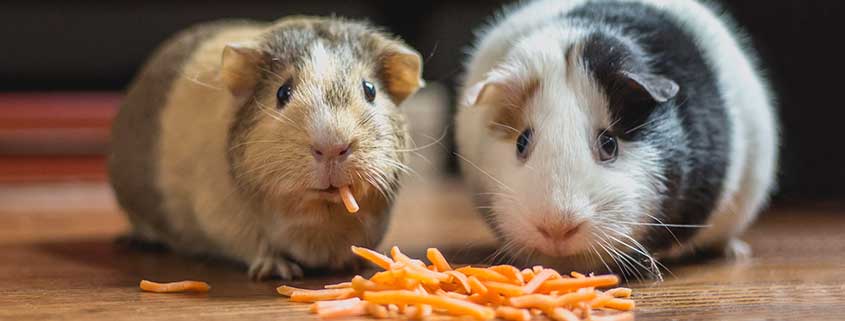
(206, 160)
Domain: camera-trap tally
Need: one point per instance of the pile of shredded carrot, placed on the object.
(410, 287)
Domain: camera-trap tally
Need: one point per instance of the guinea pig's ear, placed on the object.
(503, 99)
(648, 86)
(239, 70)
(401, 71)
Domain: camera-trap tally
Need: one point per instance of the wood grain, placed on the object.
(58, 260)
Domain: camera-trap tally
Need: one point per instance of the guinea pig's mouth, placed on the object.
(331, 193)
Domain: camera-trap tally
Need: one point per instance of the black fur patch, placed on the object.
(692, 130)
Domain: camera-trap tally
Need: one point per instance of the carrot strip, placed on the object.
(461, 278)
(375, 257)
(181, 286)
(627, 316)
(561, 314)
(505, 289)
(539, 301)
(619, 292)
(572, 284)
(527, 274)
(456, 295)
(483, 274)
(437, 258)
(356, 309)
(321, 295)
(288, 290)
(620, 304)
(453, 306)
(476, 285)
(322, 305)
(575, 297)
(377, 311)
(341, 285)
(577, 275)
(348, 199)
(536, 281)
(600, 300)
(510, 272)
(513, 314)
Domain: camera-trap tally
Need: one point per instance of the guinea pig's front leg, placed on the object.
(268, 264)
(737, 249)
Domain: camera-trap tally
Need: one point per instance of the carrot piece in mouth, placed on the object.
(348, 199)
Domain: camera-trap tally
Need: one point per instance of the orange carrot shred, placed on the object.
(620, 304)
(321, 295)
(619, 292)
(461, 278)
(375, 257)
(513, 314)
(536, 281)
(181, 286)
(348, 199)
(437, 258)
(476, 285)
(483, 274)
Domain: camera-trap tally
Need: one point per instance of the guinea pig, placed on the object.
(612, 134)
(236, 136)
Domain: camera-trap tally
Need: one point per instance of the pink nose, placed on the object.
(558, 232)
(323, 152)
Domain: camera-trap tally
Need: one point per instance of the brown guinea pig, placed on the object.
(236, 136)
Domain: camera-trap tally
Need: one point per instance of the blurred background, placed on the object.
(64, 65)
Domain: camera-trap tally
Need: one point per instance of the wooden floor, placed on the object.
(58, 261)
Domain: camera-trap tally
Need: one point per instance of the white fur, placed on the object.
(561, 177)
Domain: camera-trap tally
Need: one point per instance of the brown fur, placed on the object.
(234, 169)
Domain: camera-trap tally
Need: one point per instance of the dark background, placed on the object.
(98, 45)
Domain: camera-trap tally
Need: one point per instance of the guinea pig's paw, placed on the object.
(738, 250)
(265, 267)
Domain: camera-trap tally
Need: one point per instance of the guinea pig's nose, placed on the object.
(559, 232)
(323, 152)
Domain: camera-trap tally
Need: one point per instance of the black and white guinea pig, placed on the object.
(610, 134)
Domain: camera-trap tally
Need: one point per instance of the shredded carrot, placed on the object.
(416, 290)
(476, 285)
(537, 280)
(181, 286)
(358, 308)
(321, 295)
(527, 274)
(483, 274)
(619, 292)
(561, 314)
(505, 289)
(322, 305)
(513, 314)
(437, 259)
(454, 306)
(573, 284)
(377, 311)
(620, 304)
(348, 199)
(288, 290)
(376, 258)
(338, 285)
(510, 272)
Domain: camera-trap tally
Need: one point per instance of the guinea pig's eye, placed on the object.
(369, 91)
(522, 144)
(608, 147)
(283, 94)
